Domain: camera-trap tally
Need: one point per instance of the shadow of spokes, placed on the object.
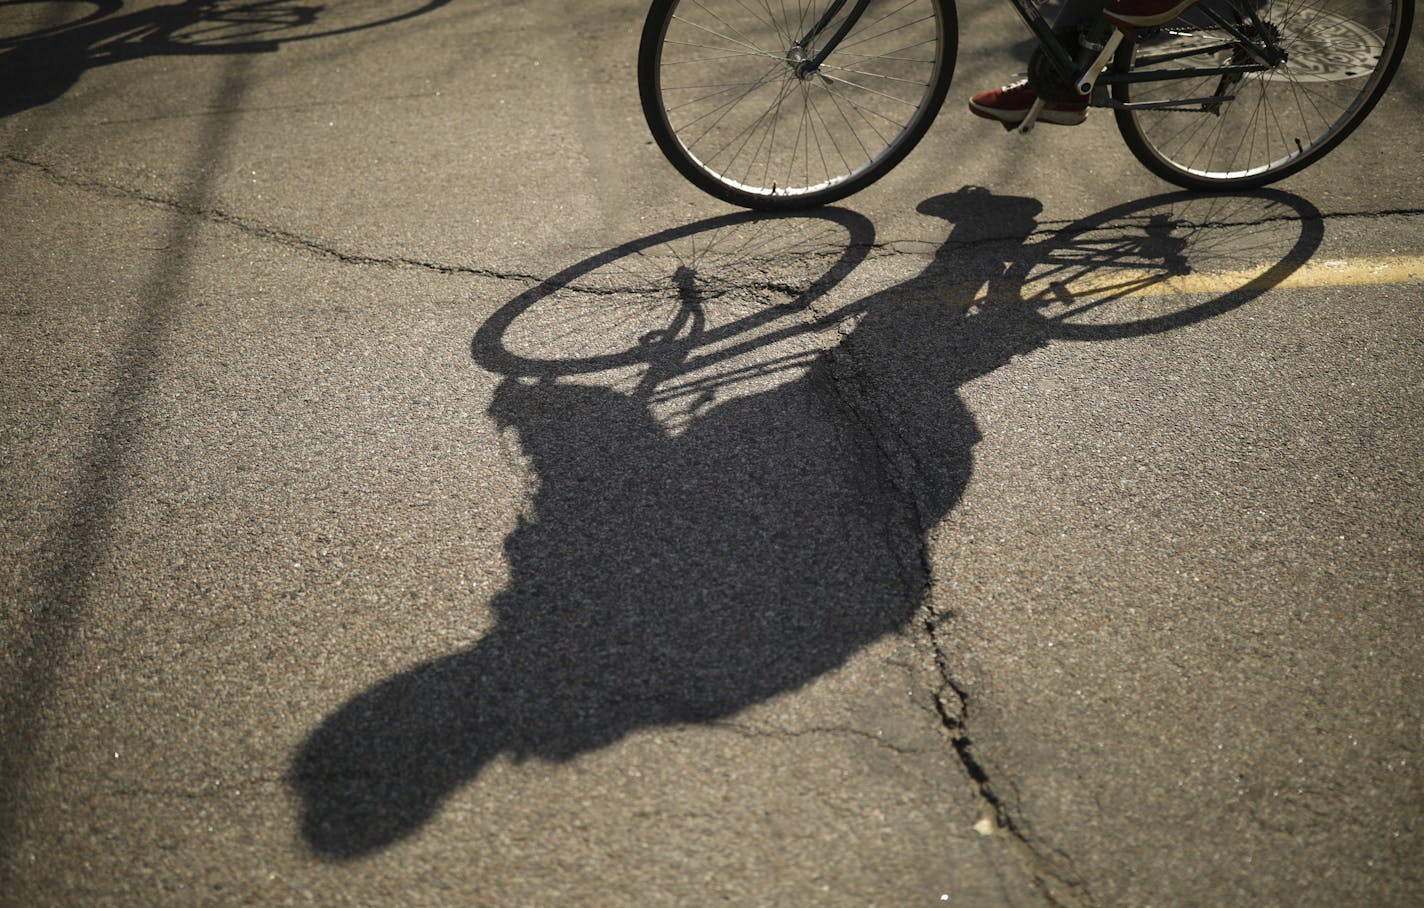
(687, 555)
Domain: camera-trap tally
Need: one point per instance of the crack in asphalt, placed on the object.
(1050, 870)
(881, 249)
(892, 459)
(262, 231)
(291, 240)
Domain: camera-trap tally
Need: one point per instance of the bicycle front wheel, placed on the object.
(732, 106)
(1242, 130)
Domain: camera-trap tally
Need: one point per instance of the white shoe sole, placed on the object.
(1047, 115)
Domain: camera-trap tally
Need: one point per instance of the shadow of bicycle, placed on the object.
(52, 43)
(735, 453)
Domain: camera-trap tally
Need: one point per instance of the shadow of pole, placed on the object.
(48, 626)
(37, 67)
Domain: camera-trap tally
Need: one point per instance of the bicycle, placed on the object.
(778, 105)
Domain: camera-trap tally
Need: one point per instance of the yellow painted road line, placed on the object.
(1125, 284)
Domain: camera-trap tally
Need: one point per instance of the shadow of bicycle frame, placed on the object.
(663, 578)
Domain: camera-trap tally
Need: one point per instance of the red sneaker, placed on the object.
(1127, 14)
(1009, 105)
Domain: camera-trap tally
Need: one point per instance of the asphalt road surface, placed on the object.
(414, 493)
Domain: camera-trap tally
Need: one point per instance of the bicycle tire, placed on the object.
(718, 81)
(1341, 56)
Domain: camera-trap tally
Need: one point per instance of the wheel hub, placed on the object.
(800, 63)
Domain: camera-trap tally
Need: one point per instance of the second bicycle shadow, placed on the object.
(734, 455)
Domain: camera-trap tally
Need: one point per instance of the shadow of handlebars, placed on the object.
(678, 570)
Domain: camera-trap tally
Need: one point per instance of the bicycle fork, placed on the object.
(805, 66)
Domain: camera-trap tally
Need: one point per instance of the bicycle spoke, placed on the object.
(858, 72)
(733, 93)
(715, 34)
(1279, 119)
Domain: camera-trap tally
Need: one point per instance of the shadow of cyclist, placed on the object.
(668, 578)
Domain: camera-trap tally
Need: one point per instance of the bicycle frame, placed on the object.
(1266, 54)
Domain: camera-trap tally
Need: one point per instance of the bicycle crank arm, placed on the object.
(1026, 126)
(1089, 78)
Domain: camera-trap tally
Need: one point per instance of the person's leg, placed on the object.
(1129, 14)
(1010, 104)
(1076, 12)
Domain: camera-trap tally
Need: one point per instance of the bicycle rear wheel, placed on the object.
(1243, 131)
(728, 106)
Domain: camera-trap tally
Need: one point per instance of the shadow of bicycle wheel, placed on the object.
(1166, 262)
(688, 552)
